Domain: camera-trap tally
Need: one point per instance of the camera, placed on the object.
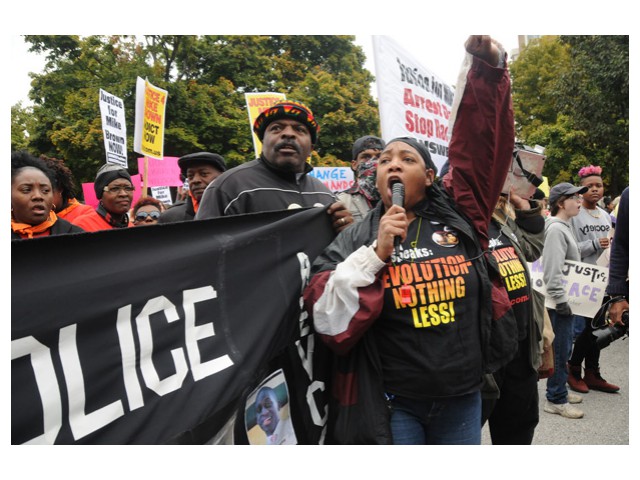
(606, 335)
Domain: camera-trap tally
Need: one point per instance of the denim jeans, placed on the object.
(447, 421)
(563, 330)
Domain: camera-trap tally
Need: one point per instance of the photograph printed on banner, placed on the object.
(267, 416)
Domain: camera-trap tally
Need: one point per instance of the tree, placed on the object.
(600, 74)
(205, 77)
(570, 95)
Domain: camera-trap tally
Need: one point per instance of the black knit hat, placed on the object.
(287, 109)
(213, 159)
(107, 174)
(365, 143)
(422, 150)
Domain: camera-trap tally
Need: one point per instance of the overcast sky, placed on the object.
(440, 53)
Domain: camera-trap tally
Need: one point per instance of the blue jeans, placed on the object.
(578, 325)
(563, 330)
(447, 421)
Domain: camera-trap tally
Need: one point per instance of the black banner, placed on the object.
(161, 334)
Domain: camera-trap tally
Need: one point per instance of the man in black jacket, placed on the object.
(200, 169)
(278, 179)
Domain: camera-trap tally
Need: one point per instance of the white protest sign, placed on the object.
(585, 285)
(413, 102)
(163, 194)
(114, 128)
(336, 179)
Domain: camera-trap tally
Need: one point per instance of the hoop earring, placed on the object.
(53, 207)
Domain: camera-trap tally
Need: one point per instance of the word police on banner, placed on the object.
(413, 101)
(168, 357)
(151, 103)
(114, 128)
(584, 283)
(336, 179)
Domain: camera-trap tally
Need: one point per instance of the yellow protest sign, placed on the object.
(151, 103)
(258, 102)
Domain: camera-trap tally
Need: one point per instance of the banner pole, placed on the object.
(144, 177)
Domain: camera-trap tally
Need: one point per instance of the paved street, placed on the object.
(606, 415)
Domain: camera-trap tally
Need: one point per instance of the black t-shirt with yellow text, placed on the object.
(514, 274)
(428, 333)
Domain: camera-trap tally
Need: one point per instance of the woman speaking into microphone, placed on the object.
(402, 297)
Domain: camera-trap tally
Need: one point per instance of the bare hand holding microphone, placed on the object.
(393, 224)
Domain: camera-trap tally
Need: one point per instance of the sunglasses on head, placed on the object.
(140, 216)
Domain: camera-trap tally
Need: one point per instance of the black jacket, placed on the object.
(180, 212)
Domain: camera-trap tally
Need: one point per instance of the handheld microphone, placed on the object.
(397, 198)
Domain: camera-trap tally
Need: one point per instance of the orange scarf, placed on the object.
(73, 203)
(28, 231)
(195, 202)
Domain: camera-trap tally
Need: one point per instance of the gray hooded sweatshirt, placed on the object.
(559, 245)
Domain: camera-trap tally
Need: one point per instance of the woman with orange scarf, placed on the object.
(32, 209)
(64, 191)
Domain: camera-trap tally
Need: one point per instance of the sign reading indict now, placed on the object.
(151, 103)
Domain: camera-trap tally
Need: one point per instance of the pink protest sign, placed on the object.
(90, 195)
(161, 173)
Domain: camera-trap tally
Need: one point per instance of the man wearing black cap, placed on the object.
(278, 179)
(200, 169)
(363, 194)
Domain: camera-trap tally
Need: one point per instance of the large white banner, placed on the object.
(584, 283)
(413, 102)
(114, 128)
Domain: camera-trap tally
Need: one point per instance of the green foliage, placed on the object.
(571, 95)
(206, 77)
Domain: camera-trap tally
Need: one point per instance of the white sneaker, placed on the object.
(574, 398)
(565, 409)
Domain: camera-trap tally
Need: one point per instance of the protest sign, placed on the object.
(258, 102)
(151, 103)
(336, 179)
(114, 128)
(585, 285)
(163, 194)
(147, 340)
(413, 101)
(163, 172)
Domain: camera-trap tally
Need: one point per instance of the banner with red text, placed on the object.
(336, 179)
(413, 102)
(148, 338)
(258, 102)
(151, 103)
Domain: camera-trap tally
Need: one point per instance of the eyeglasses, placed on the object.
(141, 216)
(576, 197)
(118, 189)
